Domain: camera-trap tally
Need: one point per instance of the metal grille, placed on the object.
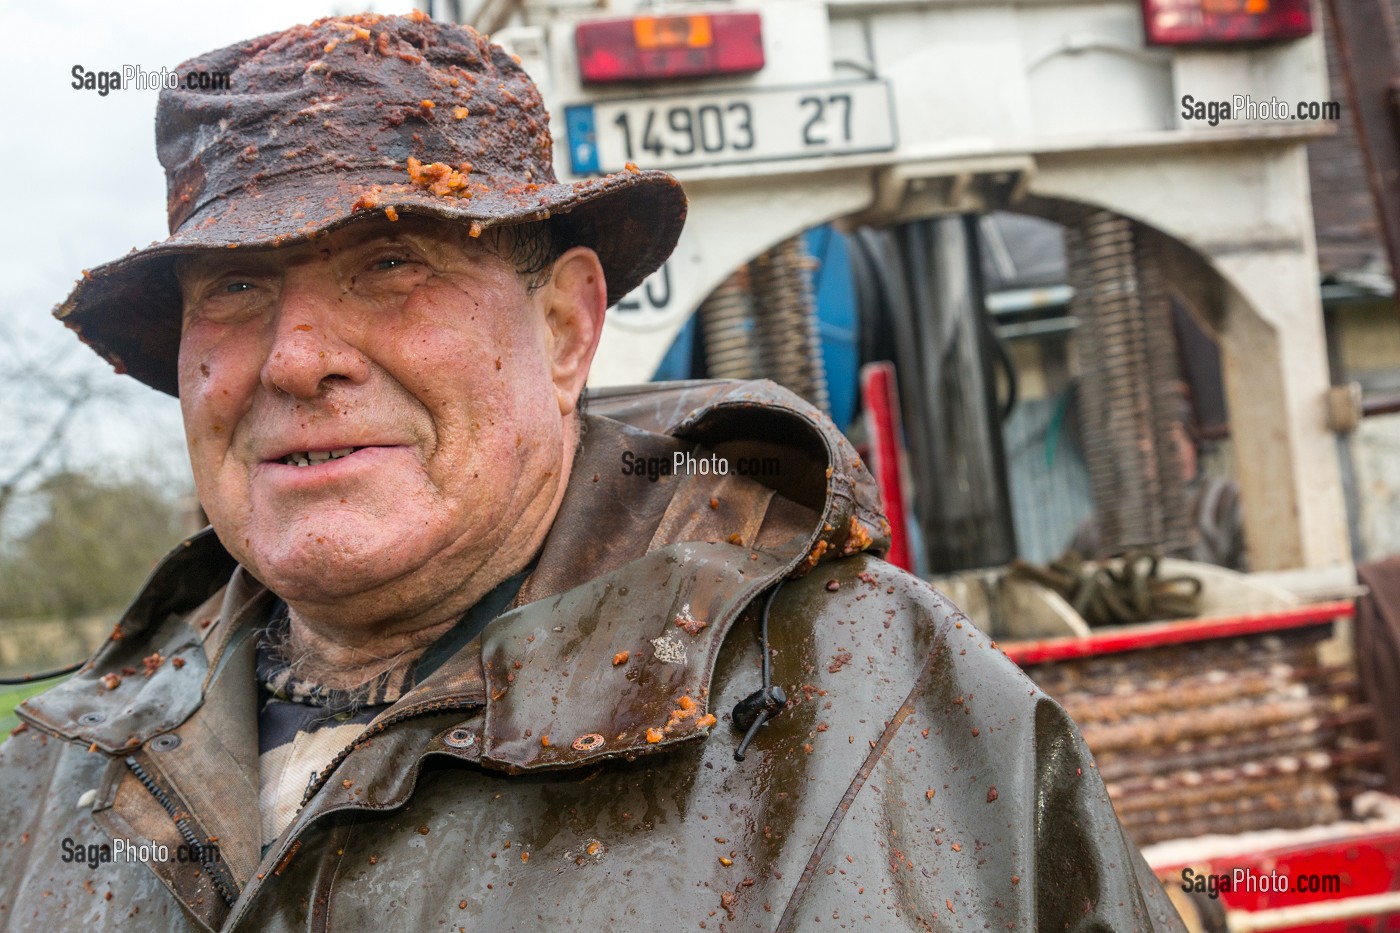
(1221, 736)
(762, 321)
(789, 345)
(726, 320)
(1129, 396)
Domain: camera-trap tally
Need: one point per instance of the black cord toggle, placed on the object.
(757, 708)
(766, 703)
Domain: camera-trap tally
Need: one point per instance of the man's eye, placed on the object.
(389, 262)
(234, 288)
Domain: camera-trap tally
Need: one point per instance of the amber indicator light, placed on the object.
(673, 32)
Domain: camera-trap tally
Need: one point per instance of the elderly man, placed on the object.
(448, 658)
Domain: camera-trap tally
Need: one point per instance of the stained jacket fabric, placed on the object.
(563, 771)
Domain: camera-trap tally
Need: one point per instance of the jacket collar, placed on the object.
(151, 673)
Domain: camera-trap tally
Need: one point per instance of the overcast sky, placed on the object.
(83, 185)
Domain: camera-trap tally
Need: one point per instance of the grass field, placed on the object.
(10, 697)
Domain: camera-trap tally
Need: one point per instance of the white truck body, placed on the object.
(935, 106)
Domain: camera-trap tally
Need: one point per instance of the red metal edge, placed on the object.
(1332, 846)
(1362, 865)
(881, 398)
(1156, 634)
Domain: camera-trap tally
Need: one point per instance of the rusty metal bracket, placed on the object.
(1344, 407)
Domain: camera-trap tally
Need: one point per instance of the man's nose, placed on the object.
(312, 345)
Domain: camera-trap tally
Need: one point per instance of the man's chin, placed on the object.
(322, 569)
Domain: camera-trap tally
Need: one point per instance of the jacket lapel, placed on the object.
(198, 780)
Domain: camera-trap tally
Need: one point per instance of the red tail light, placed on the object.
(653, 48)
(1204, 22)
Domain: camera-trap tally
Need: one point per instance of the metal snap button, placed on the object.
(165, 743)
(588, 743)
(92, 719)
(460, 738)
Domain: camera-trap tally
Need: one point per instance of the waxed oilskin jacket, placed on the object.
(562, 771)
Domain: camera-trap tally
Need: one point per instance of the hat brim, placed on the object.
(129, 310)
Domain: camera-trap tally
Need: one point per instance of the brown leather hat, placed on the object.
(347, 118)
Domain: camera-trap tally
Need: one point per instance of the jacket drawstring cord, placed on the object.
(756, 709)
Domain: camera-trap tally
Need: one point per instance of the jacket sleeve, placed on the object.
(978, 806)
(1088, 875)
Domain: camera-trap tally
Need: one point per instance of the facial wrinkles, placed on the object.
(430, 354)
(501, 398)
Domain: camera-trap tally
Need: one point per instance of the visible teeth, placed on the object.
(308, 457)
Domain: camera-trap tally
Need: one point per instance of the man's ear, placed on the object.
(576, 298)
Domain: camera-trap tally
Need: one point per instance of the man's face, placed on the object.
(381, 410)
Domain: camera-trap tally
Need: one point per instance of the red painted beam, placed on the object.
(1156, 634)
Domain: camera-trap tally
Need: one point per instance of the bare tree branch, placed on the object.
(44, 394)
(57, 429)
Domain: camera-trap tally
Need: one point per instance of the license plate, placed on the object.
(729, 127)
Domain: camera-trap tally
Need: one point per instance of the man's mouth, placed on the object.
(304, 458)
